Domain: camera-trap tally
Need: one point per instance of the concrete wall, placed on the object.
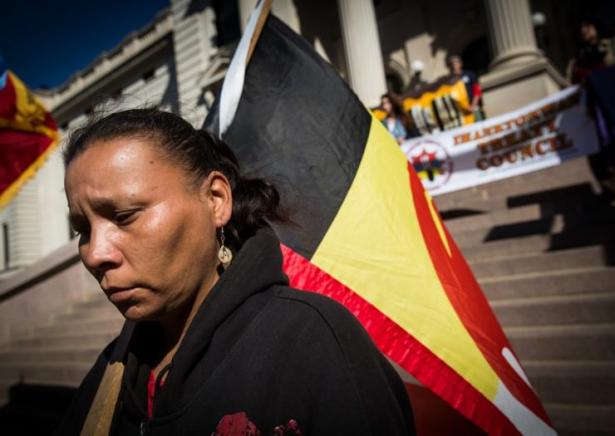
(36, 218)
(5, 215)
(193, 40)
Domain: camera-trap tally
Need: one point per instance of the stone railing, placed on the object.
(33, 295)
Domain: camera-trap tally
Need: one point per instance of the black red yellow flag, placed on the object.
(366, 232)
(28, 134)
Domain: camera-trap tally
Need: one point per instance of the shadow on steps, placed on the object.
(34, 409)
(572, 217)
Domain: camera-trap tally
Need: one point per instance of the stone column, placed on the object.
(519, 73)
(286, 11)
(362, 49)
(511, 33)
(193, 40)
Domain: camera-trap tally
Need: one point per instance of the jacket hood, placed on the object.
(256, 267)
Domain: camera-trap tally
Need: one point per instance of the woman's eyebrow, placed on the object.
(102, 203)
(98, 205)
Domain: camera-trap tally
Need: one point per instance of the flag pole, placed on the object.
(259, 28)
(235, 75)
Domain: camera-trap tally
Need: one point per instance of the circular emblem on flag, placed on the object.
(432, 163)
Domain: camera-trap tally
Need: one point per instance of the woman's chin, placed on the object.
(134, 312)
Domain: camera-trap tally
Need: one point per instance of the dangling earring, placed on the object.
(225, 255)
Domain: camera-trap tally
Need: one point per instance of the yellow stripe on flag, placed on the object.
(376, 248)
(30, 112)
(457, 91)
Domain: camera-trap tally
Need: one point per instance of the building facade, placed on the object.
(175, 63)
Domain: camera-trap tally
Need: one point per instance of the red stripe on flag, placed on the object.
(400, 346)
(461, 288)
(50, 122)
(19, 151)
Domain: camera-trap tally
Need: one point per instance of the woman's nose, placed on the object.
(100, 252)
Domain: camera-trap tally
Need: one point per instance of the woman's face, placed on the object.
(588, 32)
(147, 233)
(456, 66)
(386, 105)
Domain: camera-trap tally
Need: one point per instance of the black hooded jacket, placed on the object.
(257, 354)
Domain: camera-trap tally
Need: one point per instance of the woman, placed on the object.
(216, 342)
(396, 120)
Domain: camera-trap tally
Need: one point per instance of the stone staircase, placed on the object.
(543, 249)
(61, 351)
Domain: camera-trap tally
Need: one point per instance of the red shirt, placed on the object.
(151, 392)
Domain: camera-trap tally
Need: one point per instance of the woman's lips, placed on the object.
(119, 295)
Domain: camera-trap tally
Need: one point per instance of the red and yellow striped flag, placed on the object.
(28, 134)
(366, 233)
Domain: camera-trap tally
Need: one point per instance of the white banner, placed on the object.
(539, 135)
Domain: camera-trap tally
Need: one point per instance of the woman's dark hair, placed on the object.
(255, 201)
(398, 110)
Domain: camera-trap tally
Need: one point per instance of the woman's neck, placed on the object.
(174, 327)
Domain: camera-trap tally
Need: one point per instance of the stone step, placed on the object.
(532, 244)
(558, 232)
(521, 263)
(454, 207)
(35, 409)
(475, 238)
(107, 311)
(572, 198)
(494, 218)
(75, 339)
(584, 419)
(563, 342)
(96, 324)
(543, 283)
(570, 173)
(96, 300)
(572, 210)
(574, 382)
(67, 373)
(556, 310)
(56, 354)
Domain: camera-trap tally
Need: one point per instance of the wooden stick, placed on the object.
(259, 28)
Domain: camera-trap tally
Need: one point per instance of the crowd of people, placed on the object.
(402, 125)
(594, 53)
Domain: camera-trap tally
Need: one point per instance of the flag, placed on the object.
(28, 134)
(365, 232)
(441, 105)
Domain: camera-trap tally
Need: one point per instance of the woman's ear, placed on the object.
(216, 190)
